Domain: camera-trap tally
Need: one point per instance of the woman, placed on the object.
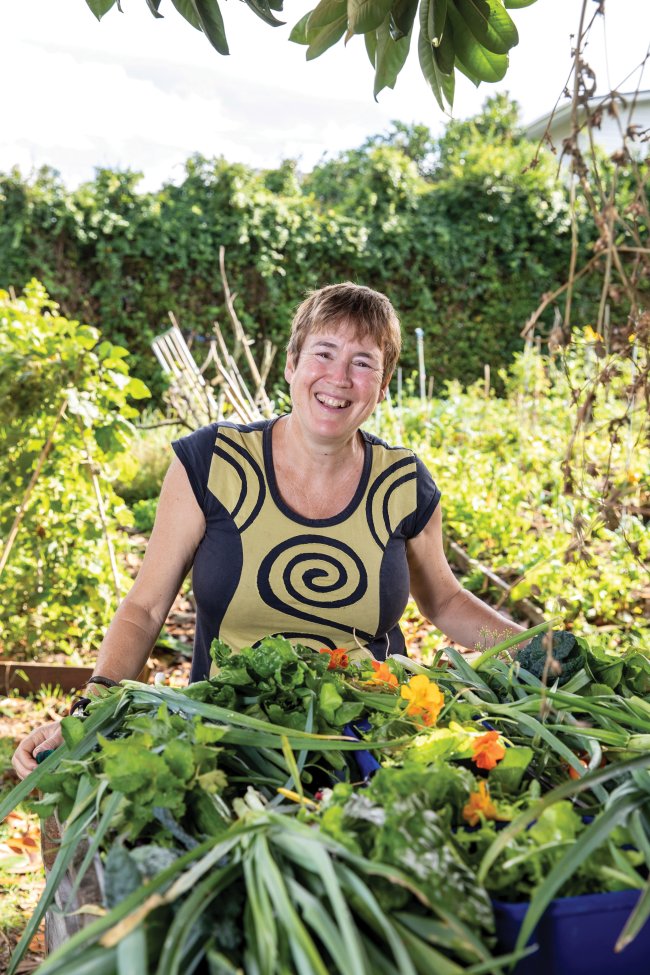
(302, 525)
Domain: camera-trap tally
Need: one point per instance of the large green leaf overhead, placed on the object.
(470, 36)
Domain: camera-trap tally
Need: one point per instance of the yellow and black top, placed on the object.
(263, 569)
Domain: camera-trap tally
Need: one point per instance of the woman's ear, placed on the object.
(289, 368)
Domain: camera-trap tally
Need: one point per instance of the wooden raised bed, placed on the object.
(27, 678)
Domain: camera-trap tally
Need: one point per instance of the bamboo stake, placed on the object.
(260, 392)
(20, 514)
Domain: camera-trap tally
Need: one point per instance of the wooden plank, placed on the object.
(27, 678)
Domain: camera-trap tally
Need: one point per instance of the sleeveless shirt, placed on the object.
(262, 569)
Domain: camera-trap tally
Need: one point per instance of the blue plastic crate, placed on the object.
(576, 936)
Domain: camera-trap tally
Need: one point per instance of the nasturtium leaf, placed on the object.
(349, 711)
(390, 57)
(326, 13)
(365, 15)
(403, 15)
(100, 7)
(518, 4)
(490, 23)
(212, 24)
(328, 702)
(479, 62)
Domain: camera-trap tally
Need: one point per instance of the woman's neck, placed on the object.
(316, 480)
(312, 456)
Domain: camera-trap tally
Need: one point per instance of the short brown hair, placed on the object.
(337, 304)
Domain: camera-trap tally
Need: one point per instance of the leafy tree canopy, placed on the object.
(470, 36)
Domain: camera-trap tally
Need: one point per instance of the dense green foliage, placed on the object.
(238, 826)
(462, 239)
(471, 37)
(566, 527)
(58, 379)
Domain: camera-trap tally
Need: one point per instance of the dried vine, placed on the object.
(616, 261)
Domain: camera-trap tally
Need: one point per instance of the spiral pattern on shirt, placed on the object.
(308, 572)
(384, 493)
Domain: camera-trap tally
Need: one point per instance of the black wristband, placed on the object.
(80, 704)
(104, 681)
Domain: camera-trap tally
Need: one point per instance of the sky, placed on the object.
(145, 94)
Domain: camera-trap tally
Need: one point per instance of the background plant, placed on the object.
(500, 463)
(451, 229)
(61, 385)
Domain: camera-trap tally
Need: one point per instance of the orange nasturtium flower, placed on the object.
(425, 698)
(339, 658)
(479, 805)
(383, 674)
(487, 750)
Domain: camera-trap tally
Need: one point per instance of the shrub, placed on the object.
(59, 382)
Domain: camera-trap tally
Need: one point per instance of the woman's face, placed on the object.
(336, 382)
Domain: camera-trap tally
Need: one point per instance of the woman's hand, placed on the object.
(47, 736)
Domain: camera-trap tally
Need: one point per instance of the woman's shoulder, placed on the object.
(398, 455)
(209, 433)
(376, 442)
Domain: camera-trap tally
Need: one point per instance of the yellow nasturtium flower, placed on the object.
(425, 698)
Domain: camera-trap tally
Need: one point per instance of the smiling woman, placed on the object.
(304, 525)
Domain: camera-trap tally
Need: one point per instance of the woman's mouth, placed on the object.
(332, 402)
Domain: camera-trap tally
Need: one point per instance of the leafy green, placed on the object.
(565, 659)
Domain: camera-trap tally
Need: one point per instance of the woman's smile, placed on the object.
(331, 402)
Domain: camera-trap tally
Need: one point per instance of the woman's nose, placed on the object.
(339, 371)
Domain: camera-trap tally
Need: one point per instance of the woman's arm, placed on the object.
(177, 532)
(178, 529)
(459, 614)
